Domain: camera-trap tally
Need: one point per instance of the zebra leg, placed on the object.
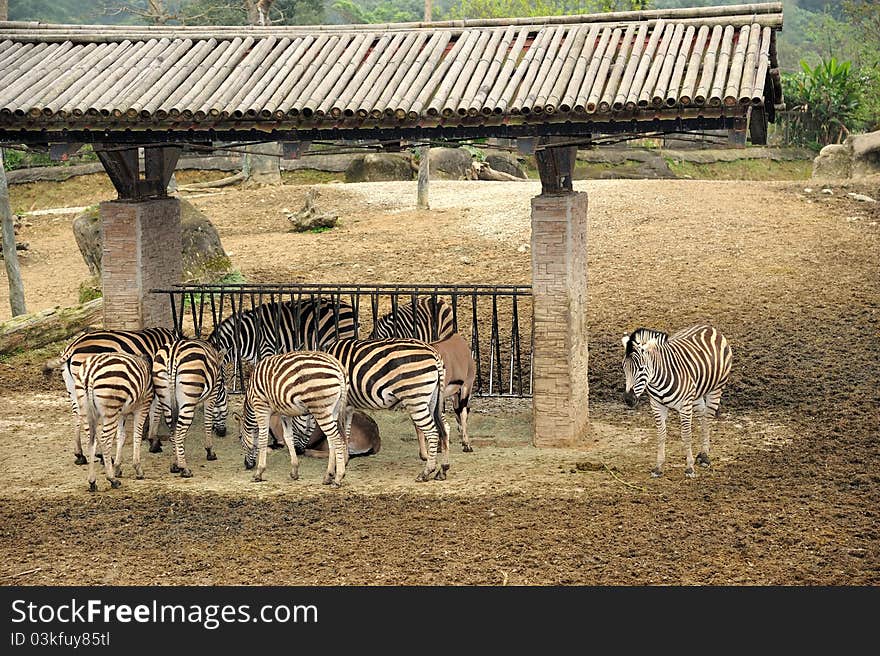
(209, 427)
(703, 455)
(184, 419)
(111, 427)
(120, 442)
(660, 413)
(262, 445)
(78, 420)
(423, 450)
(140, 420)
(155, 417)
(338, 449)
(686, 415)
(287, 425)
(93, 448)
(443, 447)
(460, 405)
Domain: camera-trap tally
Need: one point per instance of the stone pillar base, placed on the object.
(141, 252)
(559, 285)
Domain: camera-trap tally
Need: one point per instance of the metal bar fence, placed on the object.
(495, 319)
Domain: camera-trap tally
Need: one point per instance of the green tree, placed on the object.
(513, 8)
(824, 101)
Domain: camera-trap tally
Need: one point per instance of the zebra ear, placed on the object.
(625, 340)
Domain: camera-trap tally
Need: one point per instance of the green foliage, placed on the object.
(234, 12)
(515, 8)
(824, 100)
(387, 11)
(90, 289)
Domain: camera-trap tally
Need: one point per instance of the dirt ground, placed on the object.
(789, 275)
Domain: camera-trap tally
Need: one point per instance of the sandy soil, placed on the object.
(792, 497)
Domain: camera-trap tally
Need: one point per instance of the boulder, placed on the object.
(379, 167)
(204, 260)
(833, 161)
(506, 163)
(865, 153)
(450, 164)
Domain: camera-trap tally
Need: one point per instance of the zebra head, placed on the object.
(638, 362)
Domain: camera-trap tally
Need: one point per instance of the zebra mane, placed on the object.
(642, 336)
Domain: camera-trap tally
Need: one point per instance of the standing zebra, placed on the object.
(433, 321)
(292, 385)
(387, 373)
(133, 342)
(686, 370)
(186, 372)
(110, 387)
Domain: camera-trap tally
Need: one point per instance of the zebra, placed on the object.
(133, 342)
(109, 387)
(433, 322)
(685, 370)
(186, 372)
(292, 385)
(387, 373)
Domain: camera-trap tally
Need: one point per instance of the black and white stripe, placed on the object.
(680, 372)
(187, 372)
(387, 373)
(133, 342)
(109, 388)
(292, 385)
(433, 321)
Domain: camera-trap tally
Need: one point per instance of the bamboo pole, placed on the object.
(705, 85)
(20, 91)
(242, 77)
(617, 72)
(384, 88)
(513, 55)
(763, 65)
(721, 70)
(644, 64)
(355, 63)
(420, 70)
(551, 79)
(456, 63)
(66, 102)
(100, 105)
(674, 85)
(602, 74)
(535, 65)
(292, 103)
(422, 86)
(298, 77)
(88, 95)
(731, 91)
(22, 61)
(332, 81)
(466, 104)
(654, 72)
(131, 102)
(277, 77)
(451, 105)
(78, 66)
(208, 83)
(491, 78)
(548, 58)
(693, 66)
(267, 77)
(174, 80)
(355, 105)
(747, 83)
(508, 96)
(658, 98)
(374, 51)
(403, 76)
(304, 107)
(631, 66)
(555, 97)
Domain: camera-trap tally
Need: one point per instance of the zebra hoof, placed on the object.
(186, 473)
(117, 471)
(139, 475)
(93, 487)
(115, 484)
(689, 472)
(334, 485)
(220, 431)
(80, 459)
(327, 479)
(155, 447)
(656, 472)
(440, 475)
(703, 459)
(467, 448)
(257, 478)
(424, 476)
(175, 469)
(294, 475)
(445, 467)
(211, 455)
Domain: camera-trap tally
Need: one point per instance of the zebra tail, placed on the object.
(175, 407)
(92, 416)
(437, 406)
(52, 365)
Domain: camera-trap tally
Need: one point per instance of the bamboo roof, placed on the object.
(622, 66)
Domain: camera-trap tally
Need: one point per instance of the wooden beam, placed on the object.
(556, 166)
(159, 165)
(122, 166)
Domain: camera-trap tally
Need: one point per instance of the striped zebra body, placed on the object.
(387, 373)
(274, 327)
(680, 372)
(132, 342)
(185, 373)
(109, 388)
(293, 385)
(433, 321)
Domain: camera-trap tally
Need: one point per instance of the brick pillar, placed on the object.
(141, 252)
(559, 285)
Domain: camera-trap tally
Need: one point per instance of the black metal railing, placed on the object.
(495, 319)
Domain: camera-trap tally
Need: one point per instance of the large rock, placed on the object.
(204, 260)
(833, 161)
(506, 163)
(379, 167)
(865, 153)
(450, 163)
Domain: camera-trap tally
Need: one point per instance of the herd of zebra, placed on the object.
(307, 367)
(310, 369)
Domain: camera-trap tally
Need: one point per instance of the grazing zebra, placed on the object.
(187, 372)
(686, 370)
(133, 342)
(110, 387)
(433, 321)
(387, 373)
(292, 385)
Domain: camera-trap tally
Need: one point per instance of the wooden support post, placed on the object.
(736, 136)
(424, 176)
(559, 287)
(10, 255)
(123, 167)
